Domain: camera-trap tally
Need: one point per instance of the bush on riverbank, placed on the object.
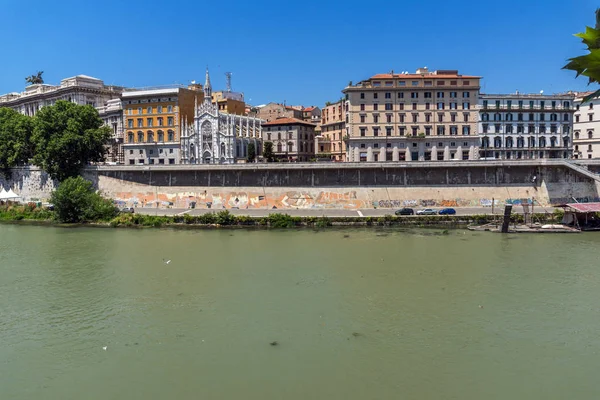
(285, 221)
(25, 212)
(75, 200)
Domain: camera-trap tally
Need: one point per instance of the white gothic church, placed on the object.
(217, 137)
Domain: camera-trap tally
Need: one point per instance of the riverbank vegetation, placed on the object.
(99, 212)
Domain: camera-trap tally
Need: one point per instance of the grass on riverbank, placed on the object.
(277, 221)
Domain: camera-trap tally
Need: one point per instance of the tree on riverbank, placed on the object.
(268, 152)
(67, 137)
(15, 138)
(75, 200)
(251, 152)
(589, 65)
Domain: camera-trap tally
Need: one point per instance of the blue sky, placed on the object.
(298, 52)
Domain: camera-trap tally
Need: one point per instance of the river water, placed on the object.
(375, 315)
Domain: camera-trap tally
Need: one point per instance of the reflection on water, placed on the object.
(355, 314)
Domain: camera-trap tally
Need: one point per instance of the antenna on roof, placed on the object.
(541, 92)
(228, 80)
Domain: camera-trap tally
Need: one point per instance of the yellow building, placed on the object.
(229, 102)
(333, 129)
(153, 120)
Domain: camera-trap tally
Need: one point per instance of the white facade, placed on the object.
(216, 137)
(80, 89)
(586, 128)
(112, 116)
(525, 126)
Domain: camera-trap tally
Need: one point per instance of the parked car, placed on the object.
(127, 210)
(447, 211)
(427, 211)
(405, 211)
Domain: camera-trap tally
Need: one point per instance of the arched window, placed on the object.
(553, 117)
(590, 134)
(497, 142)
(161, 136)
(150, 137)
(565, 117)
(509, 141)
(222, 149)
(509, 117)
(553, 141)
(485, 117)
(576, 134)
(542, 141)
(130, 137)
(140, 137)
(485, 142)
(531, 141)
(520, 142)
(170, 135)
(566, 140)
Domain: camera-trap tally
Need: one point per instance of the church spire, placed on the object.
(207, 88)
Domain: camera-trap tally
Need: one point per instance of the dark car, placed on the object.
(405, 211)
(127, 210)
(447, 211)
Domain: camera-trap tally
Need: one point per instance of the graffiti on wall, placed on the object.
(565, 200)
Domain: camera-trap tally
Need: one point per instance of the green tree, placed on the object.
(76, 201)
(589, 65)
(15, 138)
(268, 152)
(251, 152)
(67, 137)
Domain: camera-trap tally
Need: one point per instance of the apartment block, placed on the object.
(293, 139)
(423, 116)
(586, 128)
(330, 142)
(153, 121)
(526, 126)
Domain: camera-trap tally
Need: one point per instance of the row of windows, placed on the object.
(416, 83)
(300, 128)
(415, 95)
(524, 128)
(590, 106)
(150, 122)
(149, 137)
(590, 117)
(151, 151)
(303, 147)
(520, 116)
(439, 106)
(291, 136)
(427, 144)
(589, 148)
(415, 118)
(590, 134)
(532, 103)
(509, 142)
(151, 161)
(159, 110)
(416, 131)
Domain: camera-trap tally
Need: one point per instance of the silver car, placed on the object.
(427, 211)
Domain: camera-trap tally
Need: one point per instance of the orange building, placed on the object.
(153, 120)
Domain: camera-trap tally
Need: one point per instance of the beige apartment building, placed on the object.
(333, 129)
(272, 111)
(586, 128)
(292, 138)
(427, 115)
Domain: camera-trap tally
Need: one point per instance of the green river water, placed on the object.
(376, 315)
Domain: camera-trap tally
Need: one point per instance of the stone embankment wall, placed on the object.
(350, 186)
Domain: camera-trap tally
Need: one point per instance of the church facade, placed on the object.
(216, 137)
